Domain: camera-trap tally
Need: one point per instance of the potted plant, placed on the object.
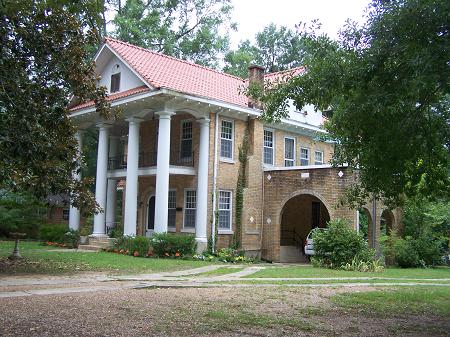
(85, 231)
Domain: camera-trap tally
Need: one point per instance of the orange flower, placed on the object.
(136, 253)
(177, 254)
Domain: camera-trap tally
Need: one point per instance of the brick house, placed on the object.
(177, 149)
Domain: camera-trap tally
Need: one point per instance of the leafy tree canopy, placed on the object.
(43, 62)
(277, 48)
(194, 30)
(387, 86)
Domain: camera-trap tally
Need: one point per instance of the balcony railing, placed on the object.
(149, 159)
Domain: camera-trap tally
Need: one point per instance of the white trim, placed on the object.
(228, 230)
(227, 159)
(309, 167)
(294, 152)
(189, 229)
(273, 147)
(318, 151)
(151, 171)
(300, 155)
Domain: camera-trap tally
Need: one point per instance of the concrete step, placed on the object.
(97, 243)
(292, 254)
(90, 247)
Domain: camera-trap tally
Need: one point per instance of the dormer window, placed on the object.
(115, 79)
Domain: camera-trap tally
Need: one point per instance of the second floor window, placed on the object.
(318, 157)
(186, 139)
(190, 208)
(226, 140)
(171, 218)
(268, 147)
(304, 156)
(289, 152)
(115, 79)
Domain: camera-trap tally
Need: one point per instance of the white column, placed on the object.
(74, 213)
(162, 172)
(202, 186)
(131, 187)
(111, 192)
(101, 179)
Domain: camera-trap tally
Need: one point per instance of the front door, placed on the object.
(151, 214)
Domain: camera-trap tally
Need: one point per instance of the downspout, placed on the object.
(262, 212)
(213, 224)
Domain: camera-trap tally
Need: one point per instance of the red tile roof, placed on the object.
(162, 71)
(113, 97)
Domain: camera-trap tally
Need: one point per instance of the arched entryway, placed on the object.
(365, 223)
(150, 215)
(299, 215)
(386, 222)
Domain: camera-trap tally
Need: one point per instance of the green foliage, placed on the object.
(277, 48)
(53, 232)
(20, 212)
(44, 62)
(226, 255)
(71, 238)
(169, 244)
(340, 245)
(194, 30)
(386, 86)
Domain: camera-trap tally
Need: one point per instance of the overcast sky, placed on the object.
(253, 15)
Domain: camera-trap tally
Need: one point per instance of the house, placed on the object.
(177, 149)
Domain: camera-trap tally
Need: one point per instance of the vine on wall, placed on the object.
(243, 156)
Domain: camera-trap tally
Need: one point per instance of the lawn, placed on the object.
(309, 271)
(45, 259)
(327, 281)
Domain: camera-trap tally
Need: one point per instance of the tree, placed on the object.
(43, 62)
(186, 29)
(387, 86)
(276, 49)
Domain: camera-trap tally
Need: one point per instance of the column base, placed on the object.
(202, 245)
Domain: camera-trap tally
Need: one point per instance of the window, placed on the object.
(289, 152)
(171, 218)
(186, 140)
(268, 147)
(318, 157)
(65, 214)
(190, 207)
(304, 156)
(226, 140)
(115, 79)
(225, 210)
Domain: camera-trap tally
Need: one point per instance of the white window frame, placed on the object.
(315, 161)
(181, 135)
(173, 228)
(230, 229)
(273, 147)
(189, 229)
(309, 155)
(115, 71)
(226, 159)
(293, 152)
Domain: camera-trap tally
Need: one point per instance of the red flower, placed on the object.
(177, 254)
(136, 253)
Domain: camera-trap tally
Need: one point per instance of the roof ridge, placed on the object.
(173, 58)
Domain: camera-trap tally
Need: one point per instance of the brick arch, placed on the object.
(142, 215)
(303, 192)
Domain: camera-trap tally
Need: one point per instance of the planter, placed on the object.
(84, 240)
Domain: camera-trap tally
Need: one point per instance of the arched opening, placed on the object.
(386, 222)
(115, 79)
(151, 214)
(365, 223)
(300, 214)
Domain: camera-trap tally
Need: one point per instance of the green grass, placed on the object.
(218, 272)
(309, 271)
(346, 281)
(44, 259)
(415, 300)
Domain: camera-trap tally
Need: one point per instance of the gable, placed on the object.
(106, 65)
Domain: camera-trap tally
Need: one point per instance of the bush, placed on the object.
(53, 232)
(169, 244)
(71, 238)
(338, 245)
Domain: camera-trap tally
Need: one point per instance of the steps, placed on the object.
(97, 243)
(292, 254)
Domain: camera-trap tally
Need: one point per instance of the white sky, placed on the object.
(253, 15)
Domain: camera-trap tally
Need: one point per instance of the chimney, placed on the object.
(255, 77)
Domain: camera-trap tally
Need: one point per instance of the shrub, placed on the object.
(169, 244)
(339, 245)
(53, 232)
(71, 238)
(139, 246)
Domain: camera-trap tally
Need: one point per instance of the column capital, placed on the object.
(135, 120)
(165, 114)
(203, 121)
(104, 125)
